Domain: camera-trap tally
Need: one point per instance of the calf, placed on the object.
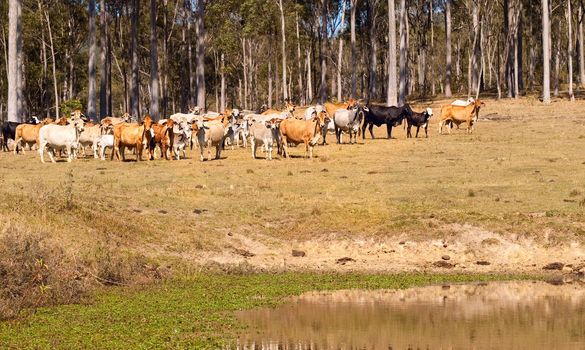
(301, 131)
(104, 142)
(379, 115)
(419, 120)
(90, 137)
(28, 134)
(161, 137)
(59, 137)
(181, 138)
(263, 134)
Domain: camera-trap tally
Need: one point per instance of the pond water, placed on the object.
(503, 315)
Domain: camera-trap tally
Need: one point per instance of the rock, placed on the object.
(402, 242)
(446, 257)
(298, 253)
(443, 264)
(344, 260)
(445, 245)
(325, 170)
(244, 253)
(567, 270)
(483, 263)
(554, 266)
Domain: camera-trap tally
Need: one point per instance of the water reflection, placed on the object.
(511, 315)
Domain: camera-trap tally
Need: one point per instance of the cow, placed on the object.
(113, 121)
(379, 115)
(301, 131)
(457, 115)
(8, 131)
(28, 134)
(58, 137)
(263, 134)
(161, 137)
(289, 107)
(209, 134)
(132, 135)
(350, 121)
(420, 120)
(181, 137)
(90, 137)
(105, 141)
(331, 108)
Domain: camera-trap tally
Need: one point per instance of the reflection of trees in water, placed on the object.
(523, 315)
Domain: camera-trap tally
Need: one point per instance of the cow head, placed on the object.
(322, 118)
(62, 121)
(147, 123)
(78, 124)
(195, 110)
(476, 107)
(47, 121)
(290, 107)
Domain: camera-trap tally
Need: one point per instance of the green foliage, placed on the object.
(194, 312)
(69, 106)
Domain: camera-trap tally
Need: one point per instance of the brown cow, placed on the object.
(457, 115)
(28, 134)
(301, 131)
(161, 138)
(289, 107)
(132, 135)
(331, 107)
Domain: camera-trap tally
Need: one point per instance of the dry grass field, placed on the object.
(511, 196)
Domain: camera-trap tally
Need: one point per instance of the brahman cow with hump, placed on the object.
(458, 114)
(28, 134)
(420, 120)
(132, 136)
(350, 121)
(263, 134)
(210, 133)
(301, 131)
(58, 137)
(379, 115)
(90, 137)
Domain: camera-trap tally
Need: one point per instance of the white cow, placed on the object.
(263, 134)
(90, 137)
(181, 138)
(58, 137)
(104, 142)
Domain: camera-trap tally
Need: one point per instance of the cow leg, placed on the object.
(209, 150)
(253, 145)
(201, 146)
(408, 131)
(389, 129)
(417, 130)
(218, 152)
(371, 129)
(42, 152)
(427, 130)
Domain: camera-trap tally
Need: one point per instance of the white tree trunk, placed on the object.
(14, 47)
(300, 65)
(391, 93)
(91, 98)
(340, 54)
(353, 52)
(103, 60)
(309, 77)
(269, 84)
(55, 84)
(222, 106)
(448, 68)
(135, 82)
(545, 53)
(402, 91)
(283, 42)
(570, 49)
(154, 80)
(581, 50)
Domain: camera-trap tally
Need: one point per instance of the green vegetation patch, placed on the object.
(195, 312)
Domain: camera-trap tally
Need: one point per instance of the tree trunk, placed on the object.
(322, 58)
(200, 33)
(372, 12)
(391, 93)
(520, 45)
(309, 78)
(581, 50)
(91, 99)
(192, 78)
(283, 42)
(448, 48)
(570, 49)
(14, 50)
(432, 53)
(545, 53)
(300, 65)
(222, 105)
(269, 84)
(135, 83)
(154, 81)
(55, 84)
(476, 55)
(353, 4)
(340, 54)
(402, 92)
(103, 59)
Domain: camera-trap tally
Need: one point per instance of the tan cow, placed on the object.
(209, 134)
(457, 115)
(28, 134)
(162, 139)
(331, 107)
(132, 136)
(301, 131)
(289, 107)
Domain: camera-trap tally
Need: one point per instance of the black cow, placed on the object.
(378, 115)
(8, 131)
(419, 120)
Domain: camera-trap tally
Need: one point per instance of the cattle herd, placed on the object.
(169, 138)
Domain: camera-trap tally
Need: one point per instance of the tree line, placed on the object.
(160, 56)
